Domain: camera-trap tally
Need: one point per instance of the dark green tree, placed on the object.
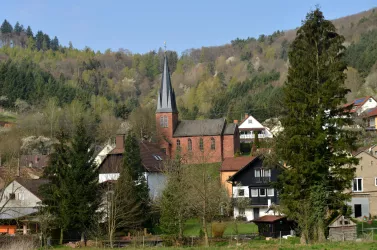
(18, 28)
(39, 38)
(55, 44)
(315, 142)
(46, 42)
(6, 27)
(29, 32)
(132, 164)
(56, 193)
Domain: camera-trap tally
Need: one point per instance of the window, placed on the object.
(262, 192)
(257, 172)
(250, 121)
(241, 192)
(164, 150)
(262, 172)
(270, 192)
(357, 185)
(178, 144)
(370, 99)
(241, 211)
(189, 145)
(254, 192)
(267, 173)
(165, 121)
(375, 181)
(21, 196)
(12, 196)
(201, 145)
(213, 146)
(161, 121)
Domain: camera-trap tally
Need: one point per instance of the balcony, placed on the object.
(251, 136)
(261, 180)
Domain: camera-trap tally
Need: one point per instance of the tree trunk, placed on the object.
(61, 236)
(206, 242)
(83, 238)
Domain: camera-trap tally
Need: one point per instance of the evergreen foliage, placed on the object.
(315, 142)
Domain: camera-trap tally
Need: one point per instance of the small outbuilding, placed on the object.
(342, 229)
(274, 226)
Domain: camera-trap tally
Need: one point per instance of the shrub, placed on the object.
(218, 229)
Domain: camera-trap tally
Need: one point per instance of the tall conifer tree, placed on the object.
(315, 142)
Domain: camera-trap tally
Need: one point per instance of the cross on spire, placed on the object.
(165, 45)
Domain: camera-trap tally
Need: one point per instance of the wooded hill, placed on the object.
(244, 76)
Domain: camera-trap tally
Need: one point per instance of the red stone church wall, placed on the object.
(229, 146)
(196, 155)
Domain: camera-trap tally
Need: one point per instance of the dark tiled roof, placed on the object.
(269, 218)
(36, 161)
(32, 185)
(200, 127)
(166, 96)
(235, 163)
(152, 158)
(230, 129)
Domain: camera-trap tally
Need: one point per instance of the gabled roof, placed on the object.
(207, 127)
(230, 129)
(371, 112)
(166, 96)
(357, 103)
(32, 185)
(244, 167)
(254, 125)
(152, 158)
(269, 218)
(363, 150)
(235, 163)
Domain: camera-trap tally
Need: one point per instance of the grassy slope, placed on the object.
(7, 118)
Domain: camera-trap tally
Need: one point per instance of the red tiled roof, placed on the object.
(357, 103)
(268, 218)
(235, 163)
(371, 112)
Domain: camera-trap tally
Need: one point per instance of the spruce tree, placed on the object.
(6, 27)
(132, 164)
(29, 32)
(315, 142)
(18, 28)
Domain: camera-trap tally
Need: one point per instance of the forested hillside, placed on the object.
(244, 76)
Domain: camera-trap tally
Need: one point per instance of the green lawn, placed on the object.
(5, 117)
(193, 227)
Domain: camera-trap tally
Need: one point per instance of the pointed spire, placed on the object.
(166, 96)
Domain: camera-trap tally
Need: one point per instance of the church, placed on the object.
(194, 141)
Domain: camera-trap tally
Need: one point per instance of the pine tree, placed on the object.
(29, 32)
(18, 28)
(315, 143)
(6, 27)
(132, 164)
(55, 193)
(46, 42)
(39, 38)
(55, 44)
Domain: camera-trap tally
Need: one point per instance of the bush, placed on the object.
(241, 218)
(218, 229)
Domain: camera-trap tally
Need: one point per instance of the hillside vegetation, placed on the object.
(244, 76)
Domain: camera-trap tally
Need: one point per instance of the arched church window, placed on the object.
(161, 121)
(201, 144)
(165, 121)
(189, 145)
(213, 145)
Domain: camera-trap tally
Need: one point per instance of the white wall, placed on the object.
(108, 177)
(371, 103)
(245, 188)
(249, 213)
(24, 198)
(251, 123)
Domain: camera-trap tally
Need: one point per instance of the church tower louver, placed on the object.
(166, 112)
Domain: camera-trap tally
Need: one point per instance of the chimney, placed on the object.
(235, 121)
(119, 142)
(246, 115)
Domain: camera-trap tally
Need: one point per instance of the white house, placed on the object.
(152, 161)
(362, 104)
(20, 199)
(249, 125)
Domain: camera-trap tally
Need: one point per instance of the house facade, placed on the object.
(362, 104)
(152, 161)
(249, 126)
(229, 167)
(21, 200)
(364, 185)
(196, 141)
(253, 183)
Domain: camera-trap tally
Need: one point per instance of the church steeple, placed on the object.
(166, 96)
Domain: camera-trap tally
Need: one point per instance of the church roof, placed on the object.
(166, 96)
(230, 129)
(187, 128)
